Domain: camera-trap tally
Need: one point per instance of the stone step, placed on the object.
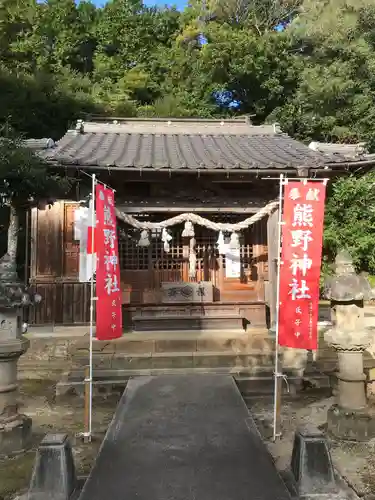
(250, 361)
(187, 322)
(180, 341)
(144, 352)
(261, 383)
(250, 386)
(49, 356)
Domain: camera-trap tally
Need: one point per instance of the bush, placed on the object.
(350, 221)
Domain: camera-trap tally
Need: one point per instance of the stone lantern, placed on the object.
(15, 429)
(350, 417)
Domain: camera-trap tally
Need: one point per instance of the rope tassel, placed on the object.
(166, 238)
(192, 258)
(221, 243)
(234, 241)
(188, 231)
(144, 240)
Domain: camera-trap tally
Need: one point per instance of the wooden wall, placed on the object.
(54, 261)
(143, 270)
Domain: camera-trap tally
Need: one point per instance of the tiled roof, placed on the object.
(343, 152)
(203, 144)
(39, 144)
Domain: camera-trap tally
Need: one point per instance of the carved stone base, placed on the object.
(352, 425)
(15, 437)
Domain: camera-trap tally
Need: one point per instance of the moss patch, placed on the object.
(37, 399)
(15, 474)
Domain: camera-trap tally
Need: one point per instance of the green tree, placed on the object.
(255, 70)
(16, 21)
(350, 220)
(259, 16)
(44, 105)
(334, 61)
(56, 34)
(25, 180)
(128, 34)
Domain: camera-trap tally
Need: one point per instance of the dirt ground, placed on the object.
(354, 461)
(37, 401)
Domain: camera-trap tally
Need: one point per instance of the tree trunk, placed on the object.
(13, 233)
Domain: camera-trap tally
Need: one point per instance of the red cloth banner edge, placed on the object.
(302, 233)
(108, 289)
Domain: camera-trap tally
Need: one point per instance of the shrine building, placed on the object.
(197, 208)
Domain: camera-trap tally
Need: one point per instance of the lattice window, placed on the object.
(206, 252)
(133, 257)
(209, 239)
(247, 250)
(172, 260)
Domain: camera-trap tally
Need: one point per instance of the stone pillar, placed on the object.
(15, 429)
(350, 417)
(351, 379)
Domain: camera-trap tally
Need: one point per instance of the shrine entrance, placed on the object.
(196, 282)
(221, 171)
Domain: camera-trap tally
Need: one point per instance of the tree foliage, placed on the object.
(25, 178)
(350, 220)
(335, 60)
(308, 64)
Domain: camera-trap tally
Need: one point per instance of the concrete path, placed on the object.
(183, 438)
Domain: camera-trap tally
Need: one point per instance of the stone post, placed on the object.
(15, 428)
(350, 417)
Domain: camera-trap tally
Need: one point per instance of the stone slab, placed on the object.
(183, 438)
(16, 437)
(351, 425)
(200, 323)
(201, 292)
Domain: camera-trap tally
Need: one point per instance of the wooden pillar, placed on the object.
(258, 251)
(273, 245)
(185, 257)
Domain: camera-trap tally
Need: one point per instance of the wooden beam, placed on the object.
(216, 188)
(33, 243)
(191, 209)
(120, 177)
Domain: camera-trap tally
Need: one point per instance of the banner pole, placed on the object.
(88, 431)
(278, 376)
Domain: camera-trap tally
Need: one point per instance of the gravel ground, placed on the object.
(37, 401)
(354, 461)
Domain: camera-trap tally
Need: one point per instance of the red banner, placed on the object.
(301, 253)
(108, 292)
